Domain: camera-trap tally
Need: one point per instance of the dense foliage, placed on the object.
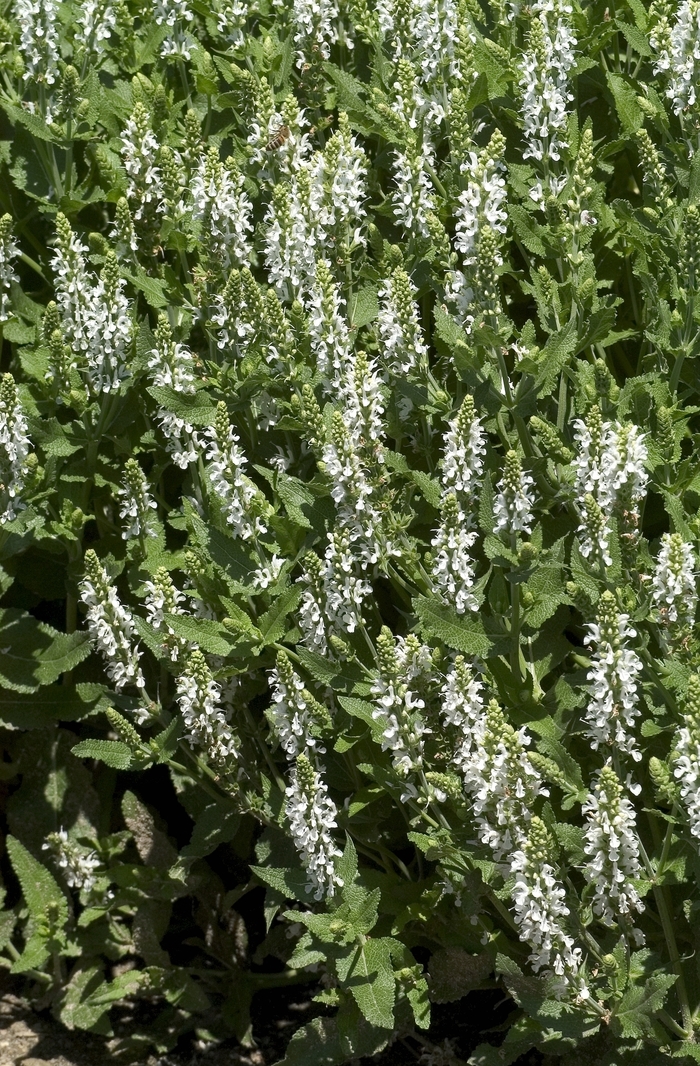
(349, 517)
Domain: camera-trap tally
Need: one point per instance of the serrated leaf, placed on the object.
(33, 653)
(53, 703)
(209, 635)
(321, 669)
(111, 752)
(272, 624)
(217, 824)
(430, 488)
(364, 307)
(632, 1016)
(291, 883)
(196, 409)
(359, 709)
(74, 1012)
(368, 973)
(40, 889)
(463, 633)
(318, 1042)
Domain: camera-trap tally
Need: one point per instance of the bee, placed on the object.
(280, 137)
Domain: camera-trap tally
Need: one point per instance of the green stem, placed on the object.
(670, 938)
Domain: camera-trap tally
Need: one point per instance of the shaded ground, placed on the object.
(30, 1038)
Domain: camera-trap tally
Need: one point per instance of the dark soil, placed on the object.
(31, 1038)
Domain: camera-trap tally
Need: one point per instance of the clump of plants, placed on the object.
(349, 518)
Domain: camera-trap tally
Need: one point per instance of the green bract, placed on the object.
(349, 509)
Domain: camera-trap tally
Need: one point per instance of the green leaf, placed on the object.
(630, 113)
(368, 973)
(318, 1042)
(226, 552)
(39, 888)
(75, 1012)
(463, 633)
(211, 636)
(272, 624)
(111, 752)
(364, 306)
(430, 488)
(291, 883)
(196, 409)
(37, 710)
(360, 709)
(346, 867)
(528, 230)
(632, 1017)
(152, 288)
(218, 824)
(554, 356)
(321, 669)
(33, 653)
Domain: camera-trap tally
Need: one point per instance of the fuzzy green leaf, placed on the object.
(462, 632)
(111, 752)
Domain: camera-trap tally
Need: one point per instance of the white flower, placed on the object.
(171, 363)
(397, 705)
(623, 477)
(199, 700)
(111, 625)
(163, 598)
(679, 54)
(96, 21)
(15, 446)
(231, 16)
(612, 848)
(414, 197)
(403, 347)
(687, 757)
(452, 569)
(316, 27)
(484, 198)
(328, 330)
(425, 31)
(343, 171)
(610, 477)
(137, 503)
(465, 446)
(173, 13)
(540, 912)
(674, 588)
(514, 502)
(312, 815)
(108, 330)
(264, 576)
(461, 702)
(344, 591)
(37, 20)
(499, 778)
(181, 439)
(9, 250)
(351, 489)
(360, 389)
(291, 234)
(73, 284)
(294, 713)
(223, 208)
(333, 593)
(225, 466)
(77, 863)
(140, 152)
(544, 80)
(612, 707)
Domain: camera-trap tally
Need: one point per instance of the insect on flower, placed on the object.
(280, 137)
